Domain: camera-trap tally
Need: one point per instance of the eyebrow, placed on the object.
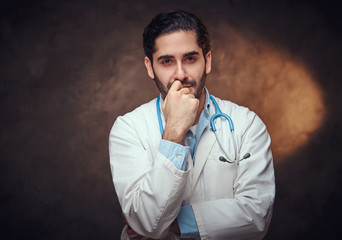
(165, 57)
(192, 53)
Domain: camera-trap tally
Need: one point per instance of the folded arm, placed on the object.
(149, 186)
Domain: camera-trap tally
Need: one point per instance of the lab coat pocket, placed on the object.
(219, 178)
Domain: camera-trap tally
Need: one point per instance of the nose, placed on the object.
(180, 73)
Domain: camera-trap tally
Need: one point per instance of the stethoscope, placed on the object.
(217, 114)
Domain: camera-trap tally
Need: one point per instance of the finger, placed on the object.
(185, 91)
(191, 95)
(176, 85)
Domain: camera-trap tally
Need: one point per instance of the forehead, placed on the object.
(176, 43)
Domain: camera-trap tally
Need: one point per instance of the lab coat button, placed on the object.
(179, 157)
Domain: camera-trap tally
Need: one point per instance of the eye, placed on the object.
(166, 61)
(190, 59)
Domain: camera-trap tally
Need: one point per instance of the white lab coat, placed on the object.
(230, 201)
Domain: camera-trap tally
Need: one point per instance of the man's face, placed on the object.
(178, 57)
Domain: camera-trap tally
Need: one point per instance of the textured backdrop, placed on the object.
(69, 68)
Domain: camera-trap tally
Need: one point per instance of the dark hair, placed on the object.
(173, 21)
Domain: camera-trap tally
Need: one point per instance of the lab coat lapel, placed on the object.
(204, 147)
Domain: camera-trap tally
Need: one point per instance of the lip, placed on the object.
(187, 86)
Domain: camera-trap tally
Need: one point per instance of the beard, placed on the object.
(188, 82)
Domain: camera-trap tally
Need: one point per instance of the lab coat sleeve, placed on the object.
(149, 187)
(248, 213)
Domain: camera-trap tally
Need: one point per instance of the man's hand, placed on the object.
(180, 110)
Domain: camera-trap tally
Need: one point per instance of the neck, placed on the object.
(200, 107)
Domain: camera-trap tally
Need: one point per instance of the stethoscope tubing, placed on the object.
(159, 117)
(217, 114)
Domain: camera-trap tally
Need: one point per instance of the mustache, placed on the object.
(187, 82)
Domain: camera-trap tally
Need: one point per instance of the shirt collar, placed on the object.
(207, 102)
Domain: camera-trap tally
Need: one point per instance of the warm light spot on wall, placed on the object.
(272, 83)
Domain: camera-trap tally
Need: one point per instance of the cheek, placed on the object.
(165, 75)
(196, 71)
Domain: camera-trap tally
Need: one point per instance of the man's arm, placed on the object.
(149, 187)
(248, 213)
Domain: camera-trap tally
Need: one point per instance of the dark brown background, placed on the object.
(69, 68)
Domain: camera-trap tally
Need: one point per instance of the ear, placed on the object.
(149, 67)
(208, 63)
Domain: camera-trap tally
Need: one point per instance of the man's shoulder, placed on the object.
(138, 126)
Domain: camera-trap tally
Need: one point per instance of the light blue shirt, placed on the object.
(177, 154)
